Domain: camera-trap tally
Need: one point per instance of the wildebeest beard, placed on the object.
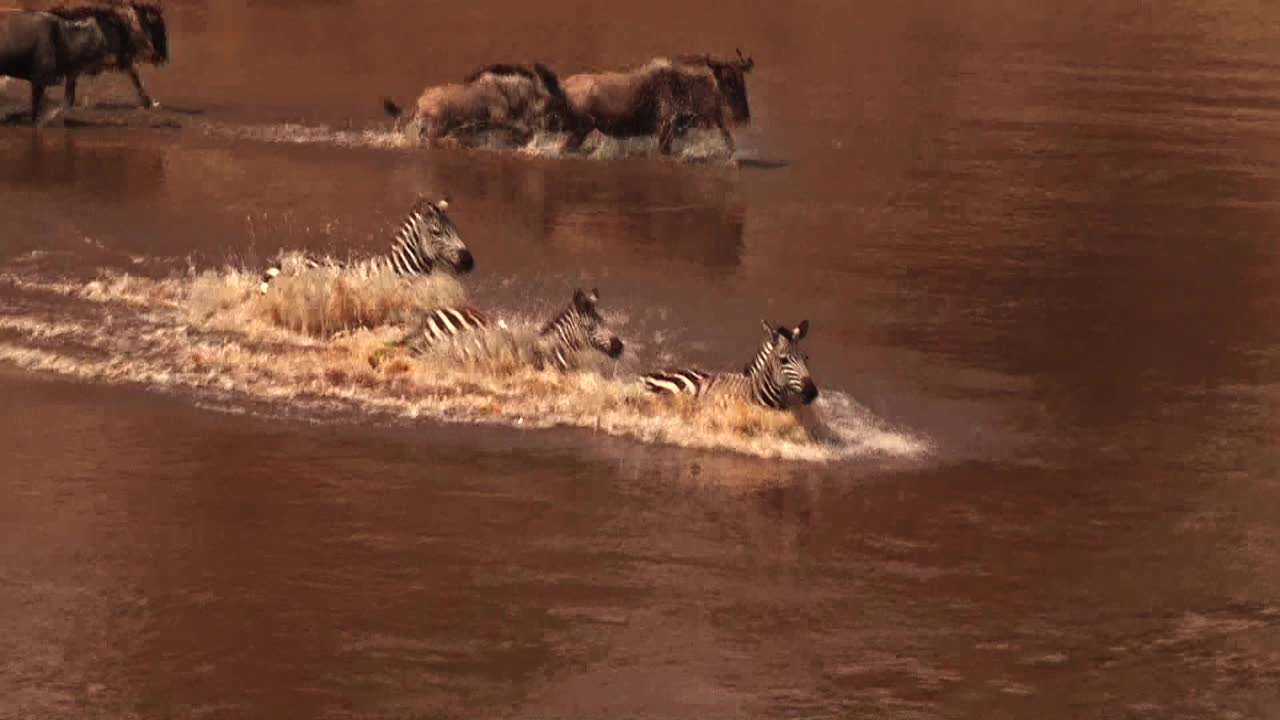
(153, 24)
(730, 78)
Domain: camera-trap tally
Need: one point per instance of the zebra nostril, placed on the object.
(465, 261)
(809, 392)
(615, 347)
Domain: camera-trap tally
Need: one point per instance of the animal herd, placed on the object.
(427, 242)
(664, 97)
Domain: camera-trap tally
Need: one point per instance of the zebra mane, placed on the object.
(425, 205)
(583, 303)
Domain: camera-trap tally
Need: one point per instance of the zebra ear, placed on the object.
(443, 203)
(769, 330)
(801, 330)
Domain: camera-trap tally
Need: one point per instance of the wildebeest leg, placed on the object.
(37, 102)
(666, 132)
(432, 130)
(69, 94)
(576, 138)
(726, 134)
(143, 97)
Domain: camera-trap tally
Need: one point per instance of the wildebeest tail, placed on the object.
(391, 107)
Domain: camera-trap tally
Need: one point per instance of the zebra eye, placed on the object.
(435, 229)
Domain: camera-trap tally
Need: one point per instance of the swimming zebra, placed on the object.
(575, 328)
(778, 377)
(427, 239)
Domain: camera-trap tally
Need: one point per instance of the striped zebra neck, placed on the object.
(563, 335)
(406, 258)
(761, 373)
(555, 349)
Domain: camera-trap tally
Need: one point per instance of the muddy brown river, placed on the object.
(1037, 246)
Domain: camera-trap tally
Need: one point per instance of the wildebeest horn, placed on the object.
(746, 62)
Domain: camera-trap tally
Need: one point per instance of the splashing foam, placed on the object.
(695, 146)
(215, 335)
(325, 300)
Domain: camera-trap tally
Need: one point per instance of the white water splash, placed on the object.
(213, 336)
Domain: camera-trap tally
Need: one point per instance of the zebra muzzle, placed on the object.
(615, 347)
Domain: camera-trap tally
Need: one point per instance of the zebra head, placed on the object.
(780, 372)
(579, 326)
(437, 237)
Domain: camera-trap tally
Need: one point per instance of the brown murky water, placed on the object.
(1037, 245)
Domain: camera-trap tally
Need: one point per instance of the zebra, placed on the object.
(778, 377)
(577, 327)
(427, 239)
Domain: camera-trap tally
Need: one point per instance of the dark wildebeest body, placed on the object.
(42, 49)
(46, 47)
(515, 98)
(663, 98)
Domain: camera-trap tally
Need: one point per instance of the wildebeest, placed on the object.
(40, 47)
(69, 41)
(515, 98)
(135, 32)
(662, 97)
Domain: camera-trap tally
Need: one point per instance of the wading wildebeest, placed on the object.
(45, 47)
(40, 47)
(662, 97)
(135, 32)
(515, 98)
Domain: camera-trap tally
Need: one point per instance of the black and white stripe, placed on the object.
(426, 241)
(444, 324)
(575, 328)
(777, 377)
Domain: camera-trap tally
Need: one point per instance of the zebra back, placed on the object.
(444, 324)
(426, 240)
(775, 377)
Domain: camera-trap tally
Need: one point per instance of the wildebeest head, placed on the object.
(151, 16)
(580, 326)
(135, 28)
(784, 367)
(558, 113)
(438, 238)
(731, 78)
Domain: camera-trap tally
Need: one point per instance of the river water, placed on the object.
(1037, 245)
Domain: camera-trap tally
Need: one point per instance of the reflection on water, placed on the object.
(694, 219)
(1043, 240)
(106, 172)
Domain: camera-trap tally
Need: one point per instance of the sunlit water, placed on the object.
(1037, 250)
